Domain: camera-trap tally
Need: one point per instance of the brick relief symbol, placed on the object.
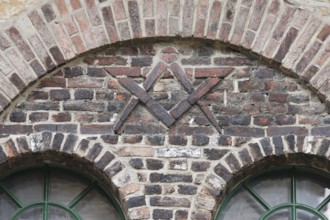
(168, 118)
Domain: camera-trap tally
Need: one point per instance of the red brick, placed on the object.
(278, 97)
(52, 82)
(118, 7)
(239, 26)
(17, 81)
(161, 17)
(204, 88)
(156, 72)
(160, 113)
(21, 44)
(62, 37)
(201, 18)
(265, 29)
(224, 32)
(150, 27)
(103, 61)
(181, 76)
(214, 18)
(86, 30)
(220, 72)
(75, 4)
(110, 25)
(15, 129)
(93, 12)
(67, 19)
(131, 85)
(325, 33)
(283, 23)
(307, 58)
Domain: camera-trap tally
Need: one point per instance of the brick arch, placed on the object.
(54, 33)
(90, 157)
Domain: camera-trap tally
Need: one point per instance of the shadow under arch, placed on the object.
(314, 163)
(64, 161)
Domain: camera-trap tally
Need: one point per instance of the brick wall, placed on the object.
(169, 104)
(169, 123)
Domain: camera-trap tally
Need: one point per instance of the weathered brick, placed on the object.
(153, 164)
(22, 144)
(42, 29)
(188, 18)
(38, 116)
(178, 165)
(132, 139)
(93, 12)
(61, 117)
(48, 12)
(215, 154)
(321, 131)
(59, 95)
(223, 172)
(239, 26)
(95, 128)
(204, 88)
(67, 19)
(114, 169)
(110, 25)
(177, 140)
(83, 106)
(200, 140)
(136, 201)
(21, 44)
(57, 55)
(70, 143)
(200, 166)
(155, 140)
(308, 57)
(75, 4)
(94, 152)
(169, 178)
(214, 18)
(325, 32)
(46, 106)
(66, 128)
(285, 120)
(57, 142)
(234, 61)
(245, 132)
(169, 201)
(152, 189)
(17, 116)
(86, 30)
(10, 148)
(84, 94)
(278, 97)
(201, 15)
(150, 27)
(220, 72)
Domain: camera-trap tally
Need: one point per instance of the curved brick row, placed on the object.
(59, 31)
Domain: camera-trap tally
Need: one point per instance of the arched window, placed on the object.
(294, 193)
(49, 193)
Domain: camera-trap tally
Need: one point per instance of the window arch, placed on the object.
(53, 193)
(290, 193)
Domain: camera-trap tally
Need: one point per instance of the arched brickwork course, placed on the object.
(58, 31)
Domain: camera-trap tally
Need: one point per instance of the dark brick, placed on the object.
(196, 61)
(204, 88)
(177, 140)
(181, 76)
(241, 120)
(233, 163)
(285, 119)
(143, 129)
(131, 85)
(110, 139)
(181, 215)
(35, 106)
(223, 172)
(178, 165)
(59, 95)
(83, 106)
(321, 131)
(57, 55)
(153, 164)
(57, 142)
(114, 169)
(96, 72)
(169, 201)
(162, 214)
(180, 109)
(265, 144)
(48, 12)
(245, 132)
(61, 117)
(135, 18)
(15, 129)
(135, 201)
(286, 44)
(66, 128)
(290, 139)
(142, 61)
(169, 178)
(3, 156)
(124, 71)
(245, 157)
(264, 73)
(200, 166)
(22, 144)
(17, 116)
(280, 131)
(255, 151)
(200, 140)
(84, 94)
(234, 61)
(298, 98)
(132, 139)
(95, 128)
(160, 113)
(155, 140)
(83, 145)
(215, 154)
(278, 145)
(70, 143)
(37, 68)
(109, 24)
(94, 152)
(17, 81)
(152, 189)
(323, 148)
(105, 160)
(38, 116)
(220, 72)
(325, 32)
(136, 163)
(70, 72)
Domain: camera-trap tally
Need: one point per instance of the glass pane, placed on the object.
(304, 215)
(27, 186)
(242, 206)
(312, 188)
(7, 207)
(95, 206)
(273, 187)
(34, 213)
(65, 186)
(326, 210)
(283, 214)
(55, 213)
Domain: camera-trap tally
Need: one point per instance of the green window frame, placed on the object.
(46, 203)
(292, 205)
